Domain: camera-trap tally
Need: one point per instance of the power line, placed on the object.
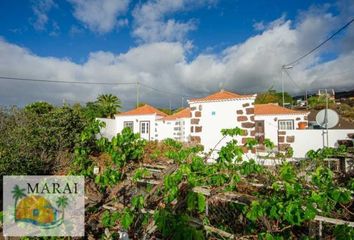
(293, 81)
(89, 83)
(65, 82)
(163, 91)
(321, 44)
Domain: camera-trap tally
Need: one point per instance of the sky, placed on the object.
(184, 48)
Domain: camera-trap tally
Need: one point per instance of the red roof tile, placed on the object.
(184, 113)
(221, 95)
(143, 110)
(274, 109)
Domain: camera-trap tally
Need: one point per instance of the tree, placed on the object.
(319, 102)
(166, 110)
(109, 103)
(271, 96)
(39, 107)
(62, 202)
(17, 193)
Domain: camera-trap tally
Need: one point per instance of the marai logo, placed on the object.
(37, 209)
(44, 206)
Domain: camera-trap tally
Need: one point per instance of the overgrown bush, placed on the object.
(33, 138)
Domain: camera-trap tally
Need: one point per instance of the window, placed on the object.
(213, 113)
(35, 212)
(129, 124)
(144, 127)
(286, 124)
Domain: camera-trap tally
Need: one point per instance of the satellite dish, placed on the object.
(328, 116)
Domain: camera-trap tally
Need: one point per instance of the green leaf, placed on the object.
(201, 203)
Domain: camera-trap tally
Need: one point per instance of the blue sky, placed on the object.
(193, 47)
(220, 25)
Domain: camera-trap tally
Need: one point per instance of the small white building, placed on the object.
(175, 126)
(272, 119)
(218, 111)
(141, 120)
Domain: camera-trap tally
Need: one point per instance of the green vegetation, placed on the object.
(40, 138)
(319, 102)
(268, 203)
(286, 202)
(271, 96)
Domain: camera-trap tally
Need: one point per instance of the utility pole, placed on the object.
(282, 85)
(326, 116)
(137, 93)
(182, 101)
(283, 68)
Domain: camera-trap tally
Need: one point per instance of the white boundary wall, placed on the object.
(312, 139)
(111, 127)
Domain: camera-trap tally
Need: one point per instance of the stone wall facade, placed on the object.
(245, 120)
(196, 127)
(284, 140)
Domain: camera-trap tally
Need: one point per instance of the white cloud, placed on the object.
(153, 21)
(261, 26)
(247, 67)
(40, 10)
(100, 16)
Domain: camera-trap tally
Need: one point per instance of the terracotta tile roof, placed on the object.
(143, 110)
(184, 113)
(274, 109)
(221, 95)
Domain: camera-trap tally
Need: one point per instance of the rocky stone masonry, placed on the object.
(245, 116)
(195, 139)
(195, 121)
(198, 129)
(195, 124)
(284, 140)
(242, 118)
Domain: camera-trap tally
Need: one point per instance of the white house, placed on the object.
(141, 120)
(218, 111)
(203, 121)
(176, 126)
(271, 120)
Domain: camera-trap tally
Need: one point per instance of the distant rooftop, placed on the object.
(221, 95)
(274, 109)
(184, 113)
(143, 110)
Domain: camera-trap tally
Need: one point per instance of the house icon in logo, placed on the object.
(38, 210)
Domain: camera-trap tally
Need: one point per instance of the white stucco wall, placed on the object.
(178, 129)
(165, 129)
(186, 129)
(136, 119)
(312, 139)
(225, 117)
(271, 124)
(110, 130)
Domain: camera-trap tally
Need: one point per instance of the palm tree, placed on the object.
(109, 103)
(62, 202)
(17, 193)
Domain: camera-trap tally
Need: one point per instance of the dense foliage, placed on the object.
(280, 203)
(289, 198)
(34, 139)
(40, 138)
(271, 96)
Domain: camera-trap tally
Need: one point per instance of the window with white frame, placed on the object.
(129, 124)
(286, 124)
